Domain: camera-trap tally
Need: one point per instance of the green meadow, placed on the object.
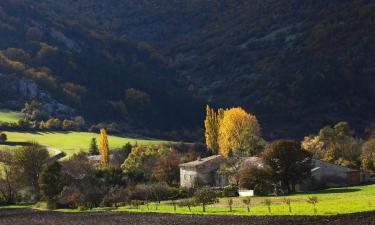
(331, 202)
(71, 142)
(9, 116)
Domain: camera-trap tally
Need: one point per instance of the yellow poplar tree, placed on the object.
(211, 124)
(103, 148)
(234, 123)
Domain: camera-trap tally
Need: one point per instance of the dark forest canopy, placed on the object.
(297, 65)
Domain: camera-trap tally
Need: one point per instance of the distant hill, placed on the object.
(101, 76)
(298, 65)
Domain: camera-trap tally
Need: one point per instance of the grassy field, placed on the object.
(331, 202)
(9, 116)
(70, 142)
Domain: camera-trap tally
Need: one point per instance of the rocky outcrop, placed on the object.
(16, 90)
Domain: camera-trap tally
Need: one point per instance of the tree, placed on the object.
(8, 184)
(335, 144)
(186, 203)
(27, 162)
(166, 168)
(253, 178)
(205, 196)
(288, 202)
(140, 163)
(247, 202)
(230, 204)
(234, 124)
(50, 182)
(288, 162)
(268, 203)
(138, 103)
(3, 137)
(114, 196)
(368, 156)
(211, 124)
(103, 148)
(93, 150)
(252, 144)
(314, 145)
(313, 200)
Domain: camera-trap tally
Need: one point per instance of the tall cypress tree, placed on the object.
(211, 124)
(103, 148)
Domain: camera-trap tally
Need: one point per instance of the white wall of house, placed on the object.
(188, 177)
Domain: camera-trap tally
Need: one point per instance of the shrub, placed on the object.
(230, 191)
(115, 196)
(3, 137)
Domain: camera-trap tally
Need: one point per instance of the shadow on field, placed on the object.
(336, 191)
(17, 143)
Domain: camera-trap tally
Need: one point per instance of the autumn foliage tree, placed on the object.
(211, 124)
(167, 169)
(232, 131)
(235, 123)
(103, 148)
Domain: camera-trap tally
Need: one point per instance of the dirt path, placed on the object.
(31, 217)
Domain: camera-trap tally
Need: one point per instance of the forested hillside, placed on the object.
(298, 65)
(102, 77)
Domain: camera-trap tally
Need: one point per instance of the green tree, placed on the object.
(253, 178)
(50, 183)
(93, 150)
(205, 196)
(288, 162)
(27, 162)
(3, 137)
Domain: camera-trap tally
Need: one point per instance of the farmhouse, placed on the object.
(323, 174)
(202, 172)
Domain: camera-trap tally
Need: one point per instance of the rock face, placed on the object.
(15, 91)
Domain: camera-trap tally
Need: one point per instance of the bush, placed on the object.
(114, 197)
(154, 192)
(230, 191)
(3, 137)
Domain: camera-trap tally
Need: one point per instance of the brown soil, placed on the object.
(32, 217)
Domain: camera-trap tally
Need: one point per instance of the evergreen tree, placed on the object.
(50, 183)
(103, 148)
(93, 150)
